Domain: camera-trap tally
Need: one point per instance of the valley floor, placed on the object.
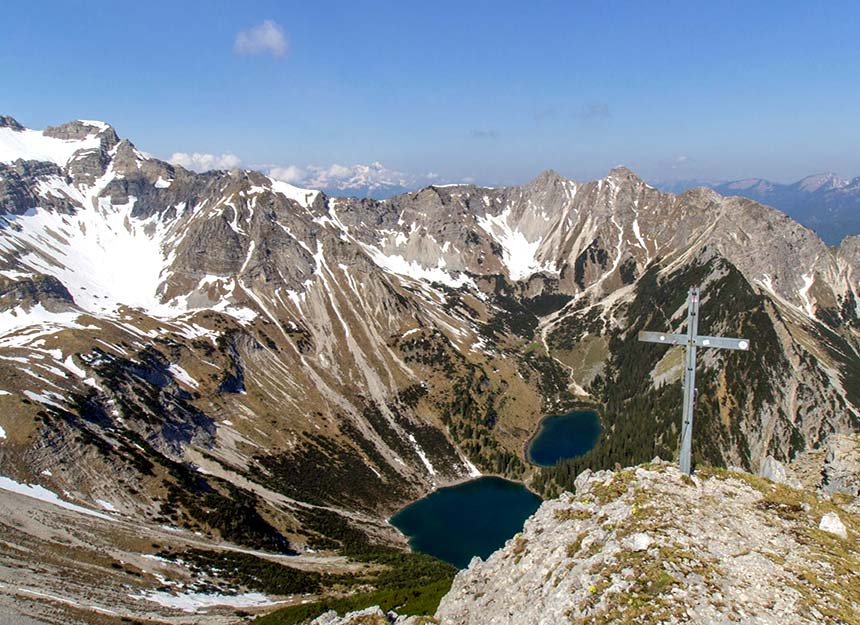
(60, 566)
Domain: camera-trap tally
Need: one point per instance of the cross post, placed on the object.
(691, 340)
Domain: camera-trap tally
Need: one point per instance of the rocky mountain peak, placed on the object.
(700, 195)
(126, 155)
(749, 185)
(546, 178)
(81, 129)
(820, 182)
(7, 121)
(623, 173)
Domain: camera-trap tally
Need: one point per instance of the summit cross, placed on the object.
(692, 339)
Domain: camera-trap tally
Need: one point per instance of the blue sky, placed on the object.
(493, 91)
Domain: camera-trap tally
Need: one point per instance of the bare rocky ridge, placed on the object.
(648, 544)
(223, 341)
(824, 202)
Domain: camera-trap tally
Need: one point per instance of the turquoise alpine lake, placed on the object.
(564, 436)
(471, 519)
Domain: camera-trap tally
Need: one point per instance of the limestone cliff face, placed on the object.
(649, 545)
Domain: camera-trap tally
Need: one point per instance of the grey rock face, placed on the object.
(831, 522)
(711, 556)
(45, 290)
(77, 130)
(842, 464)
(369, 616)
(9, 122)
(773, 470)
(825, 203)
(19, 192)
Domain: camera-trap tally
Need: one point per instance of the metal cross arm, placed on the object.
(721, 342)
(691, 340)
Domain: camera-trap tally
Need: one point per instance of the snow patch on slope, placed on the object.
(418, 450)
(518, 253)
(304, 197)
(43, 494)
(105, 257)
(19, 317)
(194, 601)
(398, 265)
(803, 292)
(32, 145)
(182, 375)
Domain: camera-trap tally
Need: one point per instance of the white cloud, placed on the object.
(681, 162)
(291, 174)
(337, 176)
(360, 179)
(265, 37)
(204, 162)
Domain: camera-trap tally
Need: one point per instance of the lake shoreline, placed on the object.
(578, 406)
(577, 413)
(459, 482)
(526, 456)
(475, 517)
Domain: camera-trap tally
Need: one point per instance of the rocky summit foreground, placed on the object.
(650, 545)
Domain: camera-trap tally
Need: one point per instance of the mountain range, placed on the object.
(268, 365)
(826, 203)
(364, 181)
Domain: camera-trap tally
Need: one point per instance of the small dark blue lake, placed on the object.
(564, 436)
(471, 519)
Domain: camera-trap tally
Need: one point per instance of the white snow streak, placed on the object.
(639, 235)
(19, 317)
(304, 197)
(70, 365)
(808, 279)
(106, 505)
(411, 269)
(182, 375)
(43, 494)
(422, 455)
(194, 601)
(471, 468)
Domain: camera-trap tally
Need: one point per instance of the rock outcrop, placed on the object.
(650, 545)
(370, 616)
(842, 465)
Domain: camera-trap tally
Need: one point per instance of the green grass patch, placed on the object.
(418, 600)
(250, 571)
(410, 583)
